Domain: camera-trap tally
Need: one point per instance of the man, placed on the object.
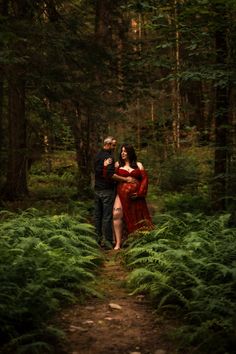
(105, 192)
(113, 144)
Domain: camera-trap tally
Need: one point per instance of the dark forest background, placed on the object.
(159, 74)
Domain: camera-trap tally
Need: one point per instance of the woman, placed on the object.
(130, 204)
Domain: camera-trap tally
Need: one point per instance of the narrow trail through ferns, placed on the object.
(97, 327)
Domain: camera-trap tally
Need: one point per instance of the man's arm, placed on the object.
(107, 163)
(123, 179)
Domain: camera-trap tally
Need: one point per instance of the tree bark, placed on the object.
(1, 121)
(80, 125)
(231, 185)
(16, 184)
(104, 10)
(177, 97)
(3, 12)
(221, 116)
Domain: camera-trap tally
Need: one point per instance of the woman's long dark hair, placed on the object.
(132, 157)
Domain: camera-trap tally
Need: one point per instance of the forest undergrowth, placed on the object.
(186, 267)
(46, 262)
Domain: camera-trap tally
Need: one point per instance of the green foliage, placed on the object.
(179, 203)
(188, 265)
(179, 173)
(45, 262)
(55, 177)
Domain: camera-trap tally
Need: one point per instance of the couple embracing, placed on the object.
(120, 190)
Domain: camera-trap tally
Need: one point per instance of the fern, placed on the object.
(29, 342)
(188, 264)
(45, 261)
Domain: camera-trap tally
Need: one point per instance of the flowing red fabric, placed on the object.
(135, 211)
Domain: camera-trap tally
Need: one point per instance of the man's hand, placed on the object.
(130, 180)
(107, 161)
(123, 179)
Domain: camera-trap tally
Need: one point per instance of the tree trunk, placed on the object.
(104, 11)
(221, 117)
(51, 10)
(3, 12)
(80, 125)
(4, 7)
(1, 121)
(175, 85)
(221, 148)
(231, 185)
(16, 184)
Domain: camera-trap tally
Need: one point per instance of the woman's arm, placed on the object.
(143, 185)
(142, 192)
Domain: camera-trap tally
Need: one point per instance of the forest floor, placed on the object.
(117, 323)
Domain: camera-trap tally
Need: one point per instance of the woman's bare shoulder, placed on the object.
(140, 165)
(117, 164)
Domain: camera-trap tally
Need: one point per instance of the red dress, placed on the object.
(135, 211)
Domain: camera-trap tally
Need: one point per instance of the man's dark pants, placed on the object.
(104, 200)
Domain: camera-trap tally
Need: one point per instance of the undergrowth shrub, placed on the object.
(188, 265)
(179, 173)
(53, 186)
(178, 203)
(45, 262)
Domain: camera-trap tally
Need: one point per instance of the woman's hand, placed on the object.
(107, 161)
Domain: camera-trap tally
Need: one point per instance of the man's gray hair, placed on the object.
(108, 140)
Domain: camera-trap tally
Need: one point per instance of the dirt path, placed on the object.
(100, 328)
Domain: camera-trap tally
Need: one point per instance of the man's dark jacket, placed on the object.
(102, 183)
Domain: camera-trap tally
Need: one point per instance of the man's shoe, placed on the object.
(107, 245)
(100, 243)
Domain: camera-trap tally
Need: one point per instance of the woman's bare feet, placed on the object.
(117, 247)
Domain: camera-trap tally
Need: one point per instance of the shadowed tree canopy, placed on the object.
(158, 74)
